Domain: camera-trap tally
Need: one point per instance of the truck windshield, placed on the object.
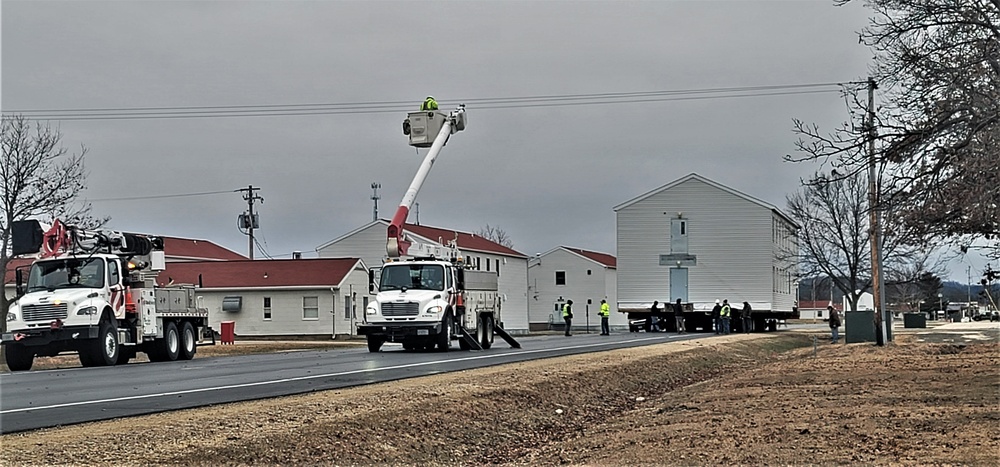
(66, 273)
(412, 276)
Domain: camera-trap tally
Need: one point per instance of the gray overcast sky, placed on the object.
(548, 176)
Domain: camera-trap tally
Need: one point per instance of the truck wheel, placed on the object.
(444, 338)
(485, 333)
(188, 341)
(374, 343)
(19, 357)
(167, 348)
(104, 350)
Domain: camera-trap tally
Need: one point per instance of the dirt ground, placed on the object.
(739, 399)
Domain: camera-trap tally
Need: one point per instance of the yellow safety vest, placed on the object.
(725, 312)
(429, 104)
(605, 310)
(566, 310)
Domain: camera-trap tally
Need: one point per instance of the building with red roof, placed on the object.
(568, 273)
(283, 297)
(368, 243)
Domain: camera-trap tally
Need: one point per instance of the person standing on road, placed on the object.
(724, 315)
(605, 316)
(745, 316)
(716, 319)
(652, 323)
(568, 316)
(834, 324)
(679, 316)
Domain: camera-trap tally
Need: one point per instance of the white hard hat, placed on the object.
(717, 301)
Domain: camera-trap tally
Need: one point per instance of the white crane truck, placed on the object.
(93, 292)
(430, 299)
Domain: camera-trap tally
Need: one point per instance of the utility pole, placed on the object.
(249, 220)
(375, 198)
(875, 219)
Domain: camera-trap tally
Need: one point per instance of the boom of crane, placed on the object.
(419, 126)
(29, 237)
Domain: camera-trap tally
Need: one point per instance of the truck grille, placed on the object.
(45, 312)
(401, 309)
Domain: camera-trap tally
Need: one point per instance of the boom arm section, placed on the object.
(417, 125)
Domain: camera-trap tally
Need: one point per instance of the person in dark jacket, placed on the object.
(834, 324)
(652, 322)
(679, 316)
(716, 320)
(745, 316)
(567, 313)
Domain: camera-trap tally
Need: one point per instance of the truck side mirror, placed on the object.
(19, 280)
(371, 281)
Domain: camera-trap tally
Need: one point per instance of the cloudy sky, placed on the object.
(546, 174)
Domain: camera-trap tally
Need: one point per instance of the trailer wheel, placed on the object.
(374, 343)
(444, 338)
(188, 341)
(19, 357)
(485, 333)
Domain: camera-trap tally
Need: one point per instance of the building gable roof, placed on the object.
(604, 259)
(465, 240)
(190, 249)
(695, 176)
(315, 272)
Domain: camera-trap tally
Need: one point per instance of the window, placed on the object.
(113, 276)
(487, 265)
(560, 277)
(267, 308)
(310, 307)
(588, 272)
(498, 267)
(347, 307)
(477, 263)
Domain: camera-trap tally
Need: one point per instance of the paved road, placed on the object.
(46, 398)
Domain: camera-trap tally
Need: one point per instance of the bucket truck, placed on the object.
(426, 297)
(92, 292)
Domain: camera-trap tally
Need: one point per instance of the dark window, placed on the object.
(588, 272)
(267, 308)
(560, 277)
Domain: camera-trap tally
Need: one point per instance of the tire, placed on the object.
(167, 348)
(444, 338)
(409, 346)
(374, 344)
(188, 341)
(124, 356)
(485, 332)
(19, 357)
(104, 350)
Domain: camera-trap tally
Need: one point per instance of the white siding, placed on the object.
(600, 284)
(730, 235)
(368, 244)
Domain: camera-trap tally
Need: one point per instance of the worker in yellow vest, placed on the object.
(605, 314)
(568, 315)
(429, 104)
(724, 315)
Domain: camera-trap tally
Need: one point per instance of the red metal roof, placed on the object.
(319, 272)
(175, 248)
(819, 305)
(603, 258)
(466, 241)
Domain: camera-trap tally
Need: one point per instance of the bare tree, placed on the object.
(497, 235)
(833, 240)
(38, 179)
(937, 65)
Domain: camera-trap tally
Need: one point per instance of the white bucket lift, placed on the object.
(423, 126)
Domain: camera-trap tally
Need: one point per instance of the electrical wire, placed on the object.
(178, 195)
(354, 108)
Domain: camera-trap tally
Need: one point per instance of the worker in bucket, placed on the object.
(429, 104)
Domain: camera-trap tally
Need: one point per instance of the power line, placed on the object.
(179, 195)
(273, 110)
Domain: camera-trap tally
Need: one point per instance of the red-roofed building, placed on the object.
(368, 243)
(817, 309)
(566, 273)
(282, 297)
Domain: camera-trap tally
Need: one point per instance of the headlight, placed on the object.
(370, 310)
(87, 310)
(434, 309)
(11, 316)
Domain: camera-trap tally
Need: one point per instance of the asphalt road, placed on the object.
(47, 398)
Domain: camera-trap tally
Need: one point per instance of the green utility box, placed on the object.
(859, 326)
(914, 320)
